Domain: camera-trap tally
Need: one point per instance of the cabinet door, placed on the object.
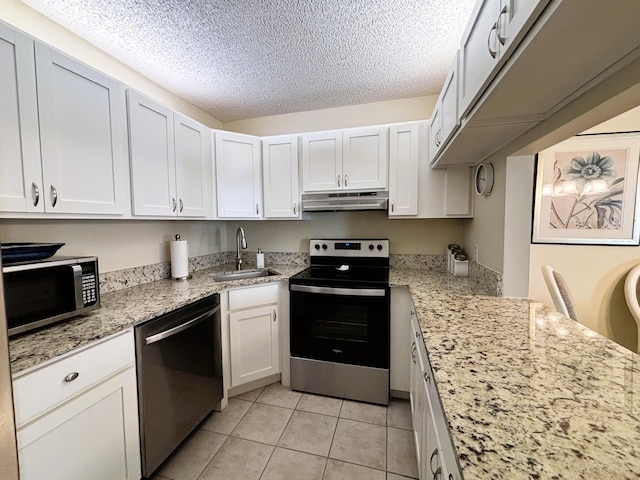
(194, 170)
(21, 179)
(416, 396)
(83, 136)
(479, 52)
(254, 344)
(280, 177)
(153, 170)
(365, 158)
(450, 120)
(322, 161)
(95, 436)
(238, 176)
(403, 170)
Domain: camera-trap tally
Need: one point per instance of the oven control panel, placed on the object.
(377, 248)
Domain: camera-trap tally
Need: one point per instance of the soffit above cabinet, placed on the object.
(251, 58)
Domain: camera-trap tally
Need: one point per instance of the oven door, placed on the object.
(342, 325)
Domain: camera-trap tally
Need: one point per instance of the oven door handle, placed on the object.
(352, 292)
(180, 328)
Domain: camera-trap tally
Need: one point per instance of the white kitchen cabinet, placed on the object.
(495, 28)
(350, 159)
(77, 417)
(254, 343)
(83, 137)
(445, 119)
(238, 175)
(21, 179)
(171, 172)
(403, 169)
(434, 449)
(280, 177)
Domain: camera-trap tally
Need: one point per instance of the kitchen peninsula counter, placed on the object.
(527, 392)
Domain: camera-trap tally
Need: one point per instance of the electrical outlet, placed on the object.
(475, 252)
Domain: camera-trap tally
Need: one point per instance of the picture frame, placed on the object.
(587, 191)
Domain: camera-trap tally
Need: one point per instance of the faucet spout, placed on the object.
(240, 241)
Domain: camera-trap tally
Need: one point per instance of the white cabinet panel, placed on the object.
(152, 157)
(458, 200)
(322, 161)
(280, 177)
(194, 170)
(83, 136)
(21, 179)
(238, 176)
(364, 158)
(403, 169)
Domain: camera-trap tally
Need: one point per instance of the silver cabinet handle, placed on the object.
(295, 209)
(173, 202)
(413, 351)
(257, 209)
(427, 378)
(54, 196)
(338, 180)
(501, 39)
(417, 334)
(346, 180)
(491, 51)
(437, 474)
(181, 206)
(275, 315)
(71, 377)
(433, 455)
(35, 194)
(392, 207)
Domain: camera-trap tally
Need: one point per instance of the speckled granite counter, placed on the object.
(527, 392)
(124, 308)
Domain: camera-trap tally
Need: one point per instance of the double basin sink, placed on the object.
(244, 274)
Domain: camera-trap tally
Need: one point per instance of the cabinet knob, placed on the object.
(71, 377)
(35, 194)
(54, 196)
(427, 378)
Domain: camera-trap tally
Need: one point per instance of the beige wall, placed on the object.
(24, 18)
(406, 236)
(392, 111)
(595, 274)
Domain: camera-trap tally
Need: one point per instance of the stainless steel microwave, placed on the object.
(42, 292)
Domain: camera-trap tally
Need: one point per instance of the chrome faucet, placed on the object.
(240, 238)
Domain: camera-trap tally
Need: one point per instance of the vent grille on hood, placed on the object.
(334, 202)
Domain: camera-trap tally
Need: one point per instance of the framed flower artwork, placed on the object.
(587, 191)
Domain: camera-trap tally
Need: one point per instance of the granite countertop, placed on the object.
(528, 393)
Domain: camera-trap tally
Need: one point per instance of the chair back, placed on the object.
(559, 291)
(631, 292)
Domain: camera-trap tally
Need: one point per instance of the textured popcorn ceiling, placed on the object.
(250, 58)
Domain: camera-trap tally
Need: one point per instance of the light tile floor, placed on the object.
(274, 433)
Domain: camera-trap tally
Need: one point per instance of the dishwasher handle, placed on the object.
(180, 328)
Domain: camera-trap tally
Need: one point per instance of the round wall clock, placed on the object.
(484, 179)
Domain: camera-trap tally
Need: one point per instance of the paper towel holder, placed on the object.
(189, 276)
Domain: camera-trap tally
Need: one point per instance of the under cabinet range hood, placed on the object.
(334, 202)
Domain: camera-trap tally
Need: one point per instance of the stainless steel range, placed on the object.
(340, 310)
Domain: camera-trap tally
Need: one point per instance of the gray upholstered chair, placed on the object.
(631, 291)
(559, 291)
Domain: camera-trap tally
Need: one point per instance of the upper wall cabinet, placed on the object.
(171, 170)
(403, 169)
(351, 159)
(445, 119)
(280, 177)
(238, 175)
(72, 114)
(83, 137)
(21, 180)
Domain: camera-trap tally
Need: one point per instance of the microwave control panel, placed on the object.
(89, 284)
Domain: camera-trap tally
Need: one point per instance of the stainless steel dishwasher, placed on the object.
(179, 365)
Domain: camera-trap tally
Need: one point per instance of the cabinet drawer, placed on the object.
(253, 296)
(43, 389)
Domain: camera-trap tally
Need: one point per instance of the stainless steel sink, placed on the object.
(240, 275)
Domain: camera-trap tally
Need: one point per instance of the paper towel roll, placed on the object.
(179, 258)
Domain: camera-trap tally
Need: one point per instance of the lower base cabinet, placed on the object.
(434, 449)
(92, 433)
(254, 342)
